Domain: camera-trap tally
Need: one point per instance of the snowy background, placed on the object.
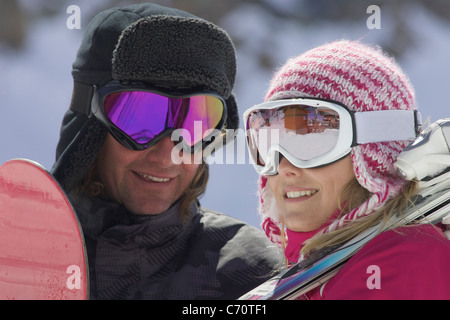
(36, 82)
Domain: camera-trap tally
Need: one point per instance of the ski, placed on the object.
(42, 253)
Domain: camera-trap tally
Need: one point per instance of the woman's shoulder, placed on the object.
(414, 236)
(404, 263)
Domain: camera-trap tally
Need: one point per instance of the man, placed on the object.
(141, 72)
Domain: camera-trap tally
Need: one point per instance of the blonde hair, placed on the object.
(352, 196)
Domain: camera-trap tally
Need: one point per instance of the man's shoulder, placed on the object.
(239, 241)
(217, 221)
(215, 217)
(234, 231)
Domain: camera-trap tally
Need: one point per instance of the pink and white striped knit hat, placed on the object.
(364, 79)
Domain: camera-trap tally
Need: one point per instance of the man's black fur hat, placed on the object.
(145, 42)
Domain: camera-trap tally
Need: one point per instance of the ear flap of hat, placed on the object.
(269, 211)
(373, 165)
(232, 113)
(80, 141)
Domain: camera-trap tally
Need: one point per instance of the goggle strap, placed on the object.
(385, 125)
(81, 98)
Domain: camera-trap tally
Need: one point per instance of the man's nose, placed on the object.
(161, 152)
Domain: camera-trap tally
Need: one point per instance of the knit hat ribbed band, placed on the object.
(363, 79)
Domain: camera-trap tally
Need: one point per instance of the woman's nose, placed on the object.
(286, 168)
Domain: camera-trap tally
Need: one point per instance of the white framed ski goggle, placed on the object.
(311, 132)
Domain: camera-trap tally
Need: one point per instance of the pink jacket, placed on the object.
(406, 263)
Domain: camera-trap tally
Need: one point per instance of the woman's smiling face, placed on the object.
(307, 198)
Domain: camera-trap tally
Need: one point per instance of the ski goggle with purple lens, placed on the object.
(312, 133)
(139, 116)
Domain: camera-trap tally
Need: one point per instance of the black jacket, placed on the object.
(210, 256)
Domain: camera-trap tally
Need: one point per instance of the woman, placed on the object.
(338, 116)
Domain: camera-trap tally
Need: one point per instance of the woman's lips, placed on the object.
(300, 193)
